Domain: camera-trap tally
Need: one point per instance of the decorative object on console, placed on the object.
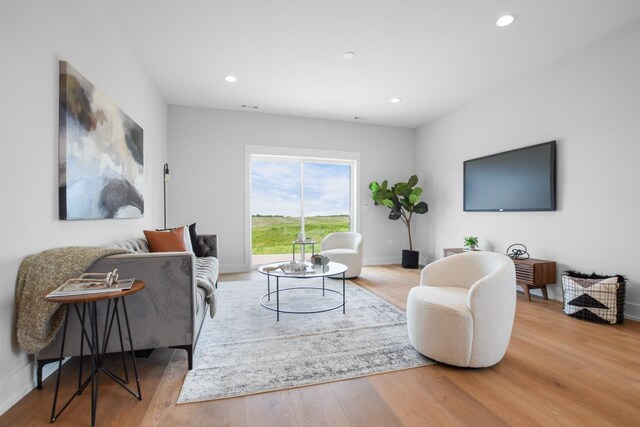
(594, 297)
(471, 243)
(101, 163)
(166, 178)
(518, 251)
(404, 200)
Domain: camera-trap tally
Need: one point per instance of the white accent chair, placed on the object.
(462, 313)
(345, 248)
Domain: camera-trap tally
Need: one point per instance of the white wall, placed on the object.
(207, 159)
(34, 35)
(589, 101)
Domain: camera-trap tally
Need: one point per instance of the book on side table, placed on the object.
(85, 287)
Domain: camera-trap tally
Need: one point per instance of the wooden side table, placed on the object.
(530, 273)
(88, 303)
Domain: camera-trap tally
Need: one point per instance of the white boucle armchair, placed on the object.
(345, 248)
(462, 313)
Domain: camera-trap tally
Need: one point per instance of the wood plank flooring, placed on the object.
(557, 371)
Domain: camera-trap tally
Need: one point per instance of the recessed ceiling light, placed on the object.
(395, 100)
(505, 20)
(230, 78)
(348, 55)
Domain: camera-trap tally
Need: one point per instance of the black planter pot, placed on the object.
(410, 258)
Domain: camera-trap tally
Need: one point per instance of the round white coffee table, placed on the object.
(330, 270)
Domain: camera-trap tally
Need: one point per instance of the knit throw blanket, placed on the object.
(38, 319)
(204, 280)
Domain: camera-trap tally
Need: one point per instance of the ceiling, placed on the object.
(436, 55)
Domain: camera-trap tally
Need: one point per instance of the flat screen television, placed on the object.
(516, 180)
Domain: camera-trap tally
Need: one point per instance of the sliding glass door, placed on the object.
(296, 195)
(326, 199)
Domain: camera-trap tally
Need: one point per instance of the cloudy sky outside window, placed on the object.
(275, 188)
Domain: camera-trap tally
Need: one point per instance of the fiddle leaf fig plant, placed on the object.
(403, 200)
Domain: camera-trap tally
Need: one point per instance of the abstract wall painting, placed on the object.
(101, 163)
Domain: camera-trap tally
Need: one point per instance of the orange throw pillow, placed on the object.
(166, 241)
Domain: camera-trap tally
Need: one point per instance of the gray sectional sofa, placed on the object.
(169, 312)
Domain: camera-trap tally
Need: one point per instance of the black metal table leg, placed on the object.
(105, 336)
(124, 362)
(55, 395)
(133, 355)
(277, 299)
(95, 362)
(84, 309)
(322, 285)
(269, 287)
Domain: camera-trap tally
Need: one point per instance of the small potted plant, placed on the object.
(471, 243)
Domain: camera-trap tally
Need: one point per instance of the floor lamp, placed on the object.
(166, 179)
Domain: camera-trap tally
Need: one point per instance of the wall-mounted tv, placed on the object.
(516, 180)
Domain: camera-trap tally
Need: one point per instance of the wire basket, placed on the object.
(594, 298)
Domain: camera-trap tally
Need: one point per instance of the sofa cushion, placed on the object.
(453, 298)
(167, 241)
(136, 245)
(193, 235)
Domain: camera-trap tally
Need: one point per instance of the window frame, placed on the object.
(301, 155)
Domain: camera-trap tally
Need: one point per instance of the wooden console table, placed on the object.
(530, 273)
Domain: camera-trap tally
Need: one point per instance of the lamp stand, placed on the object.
(165, 177)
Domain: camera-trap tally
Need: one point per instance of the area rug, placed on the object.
(243, 350)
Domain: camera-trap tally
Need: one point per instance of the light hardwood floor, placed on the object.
(558, 371)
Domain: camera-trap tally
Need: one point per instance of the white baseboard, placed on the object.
(16, 386)
(632, 311)
(234, 268)
(21, 382)
(381, 260)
